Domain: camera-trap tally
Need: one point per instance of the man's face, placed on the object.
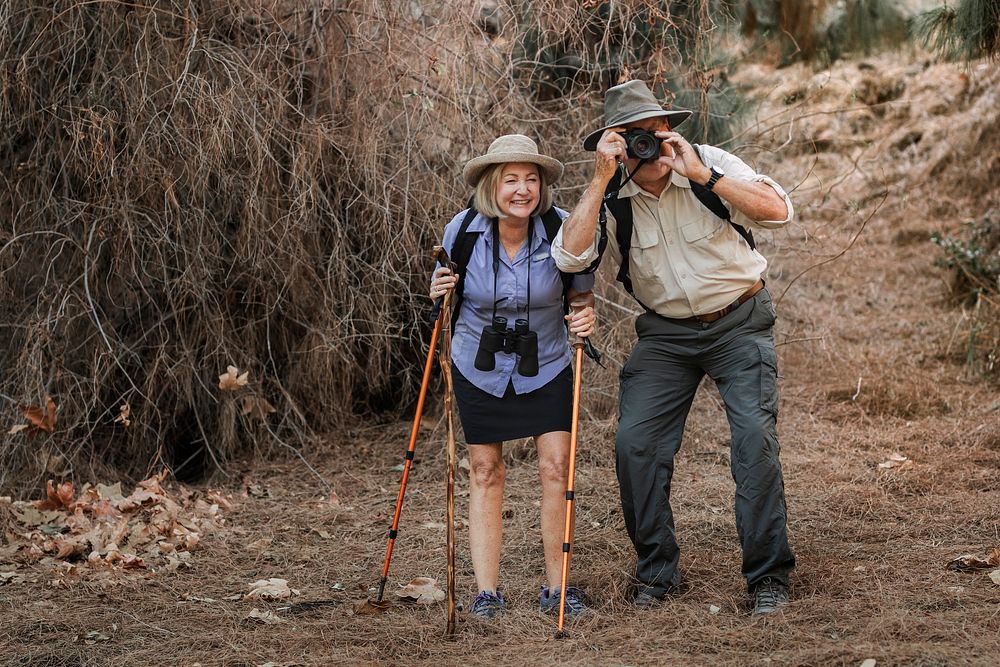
(653, 170)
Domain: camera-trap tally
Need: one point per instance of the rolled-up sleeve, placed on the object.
(567, 261)
(737, 168)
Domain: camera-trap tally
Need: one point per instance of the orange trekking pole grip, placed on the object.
(573, 436)
(394, 530)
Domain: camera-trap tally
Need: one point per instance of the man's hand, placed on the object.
(684, 161)
(611, 151)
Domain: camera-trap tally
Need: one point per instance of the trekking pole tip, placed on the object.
(381, 589)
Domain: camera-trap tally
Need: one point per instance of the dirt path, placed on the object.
(871, 357)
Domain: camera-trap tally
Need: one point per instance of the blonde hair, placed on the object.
(485, 196)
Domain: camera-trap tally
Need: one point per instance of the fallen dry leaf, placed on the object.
(41, 420)
(422, 590)
(17, 428)
(895, 460)
(270, 589)
(231, 380)
(124, 414)
(372, 608)
(995, 577)
(58, 496)
(970, 562)
(257, 407)
(265, 617)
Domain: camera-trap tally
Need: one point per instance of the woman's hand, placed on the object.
(582, 321)
(443, 282)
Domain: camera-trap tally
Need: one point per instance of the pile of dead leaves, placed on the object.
(152, 528)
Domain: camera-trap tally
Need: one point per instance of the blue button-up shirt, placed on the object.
(545, 316)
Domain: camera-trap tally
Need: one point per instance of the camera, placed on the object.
(496, 337)
(642, 144)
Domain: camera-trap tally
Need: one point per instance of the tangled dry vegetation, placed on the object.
(194, 185)
(201, 185)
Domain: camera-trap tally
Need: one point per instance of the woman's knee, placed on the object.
(553, 469)
(487, 472)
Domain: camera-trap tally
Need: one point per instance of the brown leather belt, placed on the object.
(719, 314)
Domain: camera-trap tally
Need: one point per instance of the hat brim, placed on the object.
(674, 118)
(474, 168)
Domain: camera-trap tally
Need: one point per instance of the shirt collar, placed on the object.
(482, 224)
(631, 189)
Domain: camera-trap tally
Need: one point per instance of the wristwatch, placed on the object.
(716, 175)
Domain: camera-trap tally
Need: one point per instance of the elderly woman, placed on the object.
(504, 387)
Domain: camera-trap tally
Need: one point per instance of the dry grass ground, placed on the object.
(871, 360)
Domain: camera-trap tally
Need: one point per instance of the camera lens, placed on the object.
(642, 144)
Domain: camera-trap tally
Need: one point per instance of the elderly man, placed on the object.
(677, 217)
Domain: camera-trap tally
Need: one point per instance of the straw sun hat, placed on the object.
(512, 148)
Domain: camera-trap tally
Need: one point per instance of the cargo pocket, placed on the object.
(768, 379)
(708, 239)
(644, 252)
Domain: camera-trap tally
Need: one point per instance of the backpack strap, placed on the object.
(461, 253)
(713, 203)
(552, 222)
(465, 242)
(622, 210)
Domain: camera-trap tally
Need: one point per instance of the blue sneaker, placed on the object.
(487, 604)
(548, 602)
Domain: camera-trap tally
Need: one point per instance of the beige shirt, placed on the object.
(684, 260)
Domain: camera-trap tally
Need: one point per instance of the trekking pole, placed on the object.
(393, 531)
(578, 345)
(445, 361)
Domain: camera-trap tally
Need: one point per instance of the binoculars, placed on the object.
(496, 337)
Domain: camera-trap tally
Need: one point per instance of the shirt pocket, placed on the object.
(546, 281)
(645, 252)
(709, 240)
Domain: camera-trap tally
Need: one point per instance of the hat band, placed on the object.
(635, 111)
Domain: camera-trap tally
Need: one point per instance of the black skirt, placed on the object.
(487, 419)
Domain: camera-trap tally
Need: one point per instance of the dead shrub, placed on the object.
(193, 185)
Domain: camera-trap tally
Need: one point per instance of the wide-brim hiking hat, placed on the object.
(512, 148)
(629, 102)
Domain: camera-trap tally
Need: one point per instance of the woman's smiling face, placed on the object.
(518, 190)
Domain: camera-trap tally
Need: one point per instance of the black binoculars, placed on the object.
(497, 337)
(642, 144)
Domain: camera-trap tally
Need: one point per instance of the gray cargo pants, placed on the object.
(658, 384)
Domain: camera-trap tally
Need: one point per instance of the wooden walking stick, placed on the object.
(578, 344)
(445, 361)
(394, 530)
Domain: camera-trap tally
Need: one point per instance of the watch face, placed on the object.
(719, 171)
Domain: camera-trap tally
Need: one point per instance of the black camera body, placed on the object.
(642, 144)
(496, 337)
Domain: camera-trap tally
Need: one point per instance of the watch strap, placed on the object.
(716, 175)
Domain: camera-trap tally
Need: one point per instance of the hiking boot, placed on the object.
(487, 604)
(548, 601)
(644, 601)
(769, 596)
